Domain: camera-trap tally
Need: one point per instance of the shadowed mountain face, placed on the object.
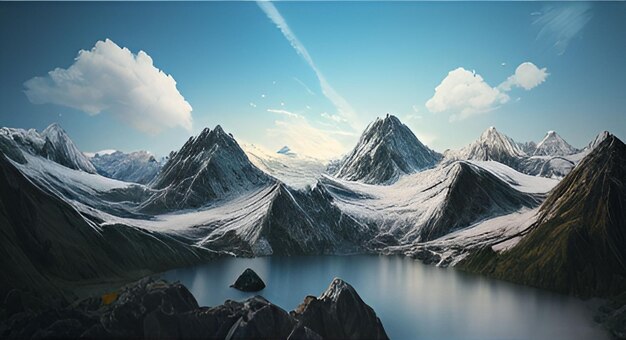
(45, 243)
(386, 150)
(474, 193)
(208, 167)
(578, 244)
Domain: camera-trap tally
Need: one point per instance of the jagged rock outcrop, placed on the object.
(156, 309)
(249, 281)
(578, 244)
(339, 313)
(208, 167)
(386, 150)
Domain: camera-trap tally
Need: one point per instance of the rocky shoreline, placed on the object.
(154, 308)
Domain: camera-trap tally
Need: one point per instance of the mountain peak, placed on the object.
(492, 145)
(386, 150)
(285, 150)
(599, 139)
(554, 145)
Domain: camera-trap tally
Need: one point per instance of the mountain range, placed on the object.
(485, 208)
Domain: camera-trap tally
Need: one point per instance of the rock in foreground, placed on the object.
(157, 309)
(249, 281)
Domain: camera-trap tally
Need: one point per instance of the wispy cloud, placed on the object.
(334, 118)
(560, 23)
(344, 109)
(284, 112)
(304, 85)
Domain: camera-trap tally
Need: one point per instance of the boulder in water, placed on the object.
(249, 281)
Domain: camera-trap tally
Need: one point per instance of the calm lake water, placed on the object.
(413, 300)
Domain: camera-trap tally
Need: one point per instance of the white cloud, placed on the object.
(113, 80)
(334, 118)
(304, 138)
(465, 93)
(527, 76)
(343, 107)
(308, 90)
(560, 23)
(284, 112)
(252, 104)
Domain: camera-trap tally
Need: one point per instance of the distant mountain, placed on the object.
(53, 143)
(208, 167)
(386, 150)
(292, 169)
(553, 145)
(138, 167)
(578, 244)
(285, 150)
(492, 145)
(528, 147)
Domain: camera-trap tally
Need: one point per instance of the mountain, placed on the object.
(48, 246)
(430, 204)
(599, 139)
(137, 167)
(578, 244)
(386, 150)
(292, 169)
(492, 145)
(285, 150)
(553, 145)
(52, 143)
(528, 147)
(208, 167)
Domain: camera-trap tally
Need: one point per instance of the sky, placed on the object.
(311, 75)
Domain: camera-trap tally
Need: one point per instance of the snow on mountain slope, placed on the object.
(100, 153)
(53, 143)
(492, 145)
(386, 150)
(518, 180)
(61, 149)
(138, 167)
(208, 167)
(294, 170)
(553, 145)
(429, 204)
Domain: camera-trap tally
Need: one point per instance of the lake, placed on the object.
(413, 300)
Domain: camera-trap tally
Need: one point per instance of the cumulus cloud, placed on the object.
(527, 76)
(113, 80)
(466, 93)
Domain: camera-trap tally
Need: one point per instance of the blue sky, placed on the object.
(312, 74)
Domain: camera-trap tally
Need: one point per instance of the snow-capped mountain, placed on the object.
(292, 169)
(386, 150)
(577, 244)
(492, 145)
(599, 139)
(208, 167)
(138, 167)
(528, 147)
(53, 143)
(553, 145)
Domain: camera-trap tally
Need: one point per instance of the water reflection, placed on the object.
(413, 300)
